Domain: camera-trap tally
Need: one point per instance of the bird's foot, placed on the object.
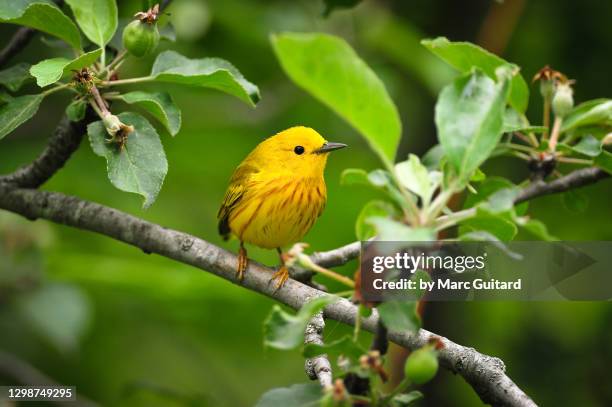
(282, 275)
(243, 262)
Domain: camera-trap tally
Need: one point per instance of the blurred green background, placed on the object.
(131, 329)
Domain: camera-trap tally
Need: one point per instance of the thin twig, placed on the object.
(18, 41)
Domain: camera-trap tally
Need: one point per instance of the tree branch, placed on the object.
(319, 366)
(575, 179)
(485, 374)
(62, 143)
(18, 41)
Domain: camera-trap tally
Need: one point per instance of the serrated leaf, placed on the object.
(363, 229)
(464, 56)
(41, 15)
(296, 395)
(390, 230)
(344, 346)
(212, 73)
(14, 77)
(160, 105)
(593, 112)
(51, 70)
(75, 111)
(329, 69)
(17, 111)
(286, 331)
(140, 166)
(469, 117)
(97, 19)
(400, 316)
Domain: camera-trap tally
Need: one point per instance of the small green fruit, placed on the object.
(563, 101)
(421, 366)
(140, 37)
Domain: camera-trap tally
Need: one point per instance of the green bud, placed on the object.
(563, 101)
(421, 366)
(547, 88)
(140, 37)
(112, 124)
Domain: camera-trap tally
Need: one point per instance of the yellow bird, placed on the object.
(276, 194)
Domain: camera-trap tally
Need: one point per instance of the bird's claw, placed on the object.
(243, 262)
(282, 275)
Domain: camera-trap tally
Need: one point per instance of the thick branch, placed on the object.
(319, 366)
(484, 373)
(62, 143)
(575, 179)
(18, 41)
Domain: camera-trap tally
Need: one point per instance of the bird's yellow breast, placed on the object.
(277, 211)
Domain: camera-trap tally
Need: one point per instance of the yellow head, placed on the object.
(298, 150)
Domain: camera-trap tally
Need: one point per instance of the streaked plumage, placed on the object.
(278, 191)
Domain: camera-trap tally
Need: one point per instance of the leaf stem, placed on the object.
(331, 274)
(398, 389)
(447, 221)
(554, 135)
(546, 117)
(570, 160)
(55, 89)
(128, 81)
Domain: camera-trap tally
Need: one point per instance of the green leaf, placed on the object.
(140, 166)
(390, 230)
(416, 178)
(536, 228)
(405, 399)
(400, 316)
(14, 77)
(76, 110)
(213, 73)
(17, 111)
(363, 229)
(575, 200)
(497, 225)
(588, 145)
(484, 236)
(464, 56)
(160, 105)
(593, 112)
(329, 69)
(58, 312)
(469, 118)
(297, 395)
(432, 159)
(344, 346)
(51, 70)
(515, 122)
(603, 161)
(487, 188)
(354, 176)
(42, 15)
(97, 19)
(286, 331)
(501, 200)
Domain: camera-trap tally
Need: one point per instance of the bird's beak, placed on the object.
(328, 146)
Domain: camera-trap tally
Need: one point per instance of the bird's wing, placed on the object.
(233, 195)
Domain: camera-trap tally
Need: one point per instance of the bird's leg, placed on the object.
(243, 262)
(283, 272)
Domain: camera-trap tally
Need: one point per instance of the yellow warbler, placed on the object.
(276, 194)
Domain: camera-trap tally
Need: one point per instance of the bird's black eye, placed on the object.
(299, 150)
